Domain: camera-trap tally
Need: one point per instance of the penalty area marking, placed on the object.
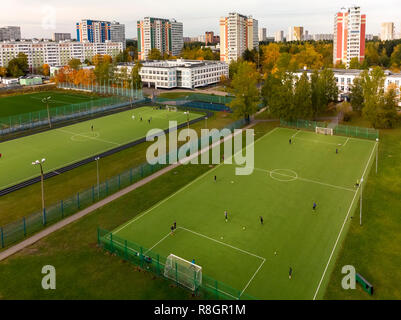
(235, 248)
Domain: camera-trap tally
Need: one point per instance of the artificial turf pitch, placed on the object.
(70, 144)
(286, 181)
(25, 103)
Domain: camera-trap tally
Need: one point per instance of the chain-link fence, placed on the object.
(18, 230)
(349, 131)
(148, 260)
(106, 87)
(32, 120)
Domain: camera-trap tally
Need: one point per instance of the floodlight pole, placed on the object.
(40, 163)
(360, 205)
(48, 113)
(377, 154)
(97, 175)
(205, 122)
(188, 123)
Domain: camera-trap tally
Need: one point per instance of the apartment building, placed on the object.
(279, 36)
(387, 31)
(10, 33)
(349, 36)
(55, 54)
(163, 34)
(96, 31)
(237, 33)
(57, 37)
(262, 34)
(295, 34)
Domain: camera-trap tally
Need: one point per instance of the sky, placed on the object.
(41, 18)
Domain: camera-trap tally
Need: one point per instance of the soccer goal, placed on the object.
(171, 108)
(326, 131)
(183, 272)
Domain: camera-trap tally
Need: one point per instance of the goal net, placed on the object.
(183, 272)
(171, 108)
(326, 131)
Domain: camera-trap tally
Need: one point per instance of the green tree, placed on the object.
(154, 54)
(396, 57)
(103, 72)
(387, 115)
(354, 63)
(303, 98)
(356, 96)
(136, 78)
(74, 64)
(18, 66)
(245, 90)
(281, 96)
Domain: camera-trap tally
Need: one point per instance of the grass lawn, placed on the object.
(286, 181)
(70, 144)
(24, 103)
(94, 274)
(374, 248)
(81, 178)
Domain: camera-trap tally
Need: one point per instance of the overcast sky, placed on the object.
(40, 18)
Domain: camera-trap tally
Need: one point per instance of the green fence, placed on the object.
(303, 124)
(40, 118)
(106, 87)
(199, 97)
(18, 230)
(359, 132)
(150, 261)
(349, 131)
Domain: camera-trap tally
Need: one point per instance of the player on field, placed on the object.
(290, 273)
(226, 215)
(172, 230)
(357, 183)
(215, 178)
(175, 225)
(314, 206)
(336, 150)
(261, 219)
(289, 141)
(92, 127)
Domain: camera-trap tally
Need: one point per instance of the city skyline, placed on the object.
(45, 17)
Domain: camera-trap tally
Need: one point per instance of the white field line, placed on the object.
(158, 242)
(88, 137)
(250, 280)
(307, 180)
(317, 141)
(342, 227)
(345, 142)
(222, 243)
(295, 134)
(189, 184)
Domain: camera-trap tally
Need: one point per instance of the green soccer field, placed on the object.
(287, 180)
(25, 103)
(67, 145)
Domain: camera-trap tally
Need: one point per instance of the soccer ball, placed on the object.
(221, 238)
(275, 253)
(232, 181)
(243, 228)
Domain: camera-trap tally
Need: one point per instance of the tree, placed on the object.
(233, 68)
(46, 70)
(387, 114)
(154, 54)
(244, 88)
(280, 95)
(396, 57)
(354, 63)
(3, 72)
(303, 98)
(248, 56)
(136, 78)
(103, 72)
(74, 64)
(356, 96)
(18, 66)
(271, 54)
